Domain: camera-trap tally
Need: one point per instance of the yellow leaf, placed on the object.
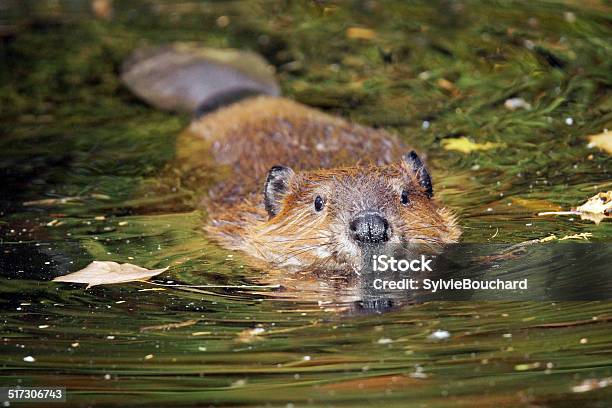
(534, 204)
(360, 33)
(465, 145)
(106, 272)
(602, 141)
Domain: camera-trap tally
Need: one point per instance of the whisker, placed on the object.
(300, 239)
(295, 254)
(305, 249)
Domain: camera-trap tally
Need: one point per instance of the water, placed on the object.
(70, 130)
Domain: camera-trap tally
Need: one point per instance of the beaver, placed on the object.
(304, 190)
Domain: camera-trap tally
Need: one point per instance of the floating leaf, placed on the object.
(360, 33)
(534, 204)
(601, 203)
(465, 145)
(596, 218)
(602, 141)
(106, 273)
(594, 209)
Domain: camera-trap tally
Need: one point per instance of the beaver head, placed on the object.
(328, 219)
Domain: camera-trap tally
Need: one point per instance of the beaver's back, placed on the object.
(255, 134)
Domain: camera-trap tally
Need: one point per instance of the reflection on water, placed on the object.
(560, 272)
(308, 339)
(70, 130)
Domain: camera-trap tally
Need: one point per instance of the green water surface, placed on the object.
(426, 71)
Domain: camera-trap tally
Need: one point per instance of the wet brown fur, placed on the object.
(353, 167)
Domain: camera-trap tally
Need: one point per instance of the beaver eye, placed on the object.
(318, 203)
(404, 198)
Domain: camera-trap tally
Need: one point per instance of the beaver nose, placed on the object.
(369, 228)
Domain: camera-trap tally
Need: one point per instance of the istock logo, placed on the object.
(383, 263)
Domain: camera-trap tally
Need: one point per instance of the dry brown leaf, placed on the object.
(106, 273)
(602, 141)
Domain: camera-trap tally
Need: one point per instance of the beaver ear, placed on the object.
(277, 185)
(415, 165)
